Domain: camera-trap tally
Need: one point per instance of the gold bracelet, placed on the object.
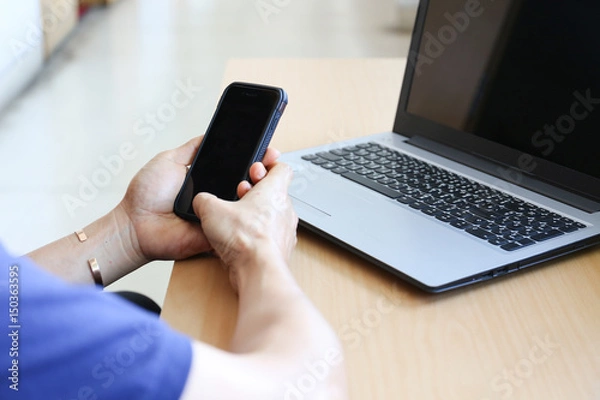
(93, 263)
(81, 236)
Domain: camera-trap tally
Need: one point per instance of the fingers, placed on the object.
(257, 172)
(271, 156)
(283, 173)
(243, 188)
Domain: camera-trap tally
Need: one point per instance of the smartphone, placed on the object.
(238, 136)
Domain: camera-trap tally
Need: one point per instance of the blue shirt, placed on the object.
(66, 342)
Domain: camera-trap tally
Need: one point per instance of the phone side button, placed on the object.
(269, 135)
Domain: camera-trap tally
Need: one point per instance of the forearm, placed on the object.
(110, 240)
(280, 327)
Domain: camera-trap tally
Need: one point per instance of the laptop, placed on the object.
(493, 164)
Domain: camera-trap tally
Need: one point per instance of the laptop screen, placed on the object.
(514, 81)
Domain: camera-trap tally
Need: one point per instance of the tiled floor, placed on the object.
(120, 66)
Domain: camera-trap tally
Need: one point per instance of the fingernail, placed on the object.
(263, 171)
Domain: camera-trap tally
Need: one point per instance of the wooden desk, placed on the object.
(532, 335)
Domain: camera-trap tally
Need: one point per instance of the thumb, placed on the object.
(203, 202)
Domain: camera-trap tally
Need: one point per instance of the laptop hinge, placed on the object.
(504, 172)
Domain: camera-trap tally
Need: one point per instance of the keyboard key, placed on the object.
(458, 213)
(329, 157)
(418, 205)
(383, 162)
(339, 152)
(447, 207)
(344, 163)
(438, 203)
(514, 225)
(353, 167)
(527, 231)
(547, 235)
(460, 224)
(567, 228)
(500, 230)
(405, 199)
(526, 242)
(513, 236)
(480, 233)
(429, 210)
(445, 217)
(371, 185)
(498, 241)
(386, 181)
(473, 219)
(339, 170)
(482, 213)
(485, 225)
(511, 246)
(351, 149)
(410, 191)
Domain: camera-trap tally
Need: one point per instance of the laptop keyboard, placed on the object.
(486, 213)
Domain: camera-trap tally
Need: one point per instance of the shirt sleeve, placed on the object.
(62, 342)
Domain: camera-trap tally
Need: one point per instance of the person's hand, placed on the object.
(148, 204)
(261, 224)
(149, 201)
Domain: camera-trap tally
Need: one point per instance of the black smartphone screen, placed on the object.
(237, 137)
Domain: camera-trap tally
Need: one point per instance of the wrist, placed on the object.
(264, 265)
(108, 244)
(112, 242)
(124, 230)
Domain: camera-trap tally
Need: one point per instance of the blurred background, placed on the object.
(87, 89)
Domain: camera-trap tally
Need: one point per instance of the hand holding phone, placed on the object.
(238, 136)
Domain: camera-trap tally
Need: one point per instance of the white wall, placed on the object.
(21, 46)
